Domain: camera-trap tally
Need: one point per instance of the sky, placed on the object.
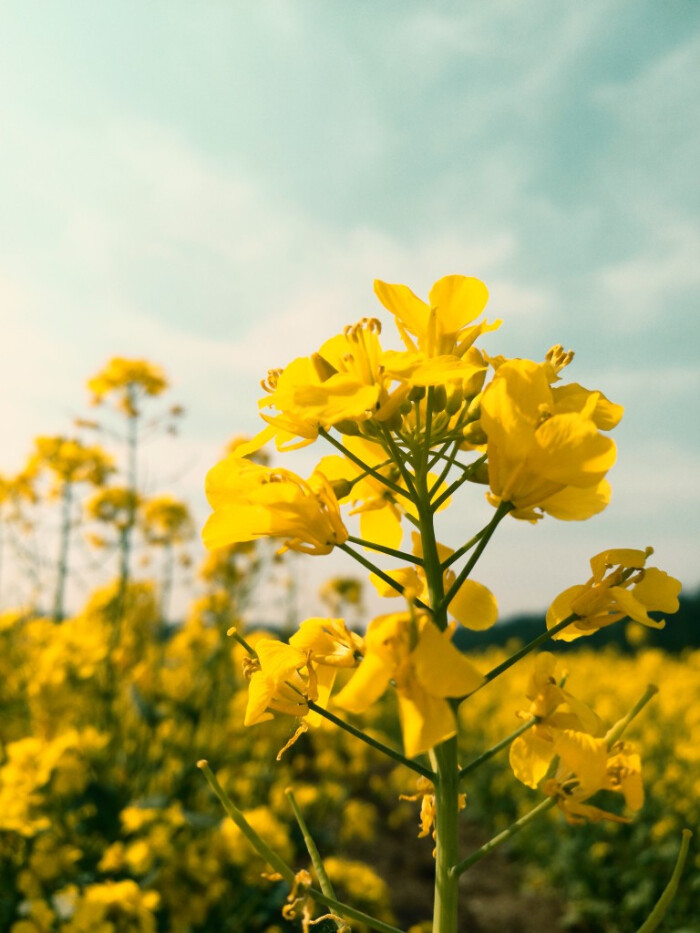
(214, 186)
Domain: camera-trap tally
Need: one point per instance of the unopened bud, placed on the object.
(474, 434)
(480, 474)
(417, 393)
(351, 428)
(439, 398)
(474, 409)
(455, 397)
(341, 488)
(395, 422)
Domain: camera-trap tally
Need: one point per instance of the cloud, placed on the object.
(643, 287)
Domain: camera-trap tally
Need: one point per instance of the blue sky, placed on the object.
(215, 186)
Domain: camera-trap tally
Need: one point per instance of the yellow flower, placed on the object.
(620, 586)
(586, 765)
(329, 642)
(426, 669)
(128, 379)
(166, 520)
(532, 752)
(345, 381)
(253, 501)
(545, 450)
(114, 505)
(440, 328)
(69, 461)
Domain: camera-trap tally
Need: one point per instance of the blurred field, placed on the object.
(107, 826)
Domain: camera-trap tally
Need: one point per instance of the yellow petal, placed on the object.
(585, 756)
(260, 692)
(426, 721)
(577, 504)
(560, 609)
(530, 756)
(366, 685)
(279, 660)
(632, 607)
(458, 299)
(408, 308)
(382, 526)
(631, 558)
(440, 667)
(569, 450)
(233, 524)
(474, 606)
(658, 591)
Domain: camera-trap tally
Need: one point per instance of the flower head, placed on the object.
(545, 447)
(426, 669)
(252, 501)
(620, 586)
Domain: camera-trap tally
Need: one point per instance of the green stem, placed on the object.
(235, 634)
(615, 732)
(445, 909)
(664, 902)
(525, 650)
(463, 550)
(394, 584)
(392, 552)
(444, 757)
(453, 487)
(498, 840)
(285, 870)
(62, 565)
(311, 846)
(495, 749)
(400, 463)
(503, 509)
(371, 471)
(259, 844)
(368, 740)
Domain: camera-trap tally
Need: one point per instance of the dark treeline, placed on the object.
(682, 631)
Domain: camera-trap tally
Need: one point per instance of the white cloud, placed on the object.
(642, 288)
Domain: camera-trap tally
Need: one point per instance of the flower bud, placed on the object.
(455, 397)
(474, 434)
(346, 426)
(439, 398)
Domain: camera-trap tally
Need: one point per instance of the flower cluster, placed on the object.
(410, 426)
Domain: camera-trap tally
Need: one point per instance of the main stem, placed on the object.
(444, 757)
(62, 564)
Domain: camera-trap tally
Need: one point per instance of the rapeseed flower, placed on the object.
(426, 669)
(545, 447)
(620, 586)
(252, 501)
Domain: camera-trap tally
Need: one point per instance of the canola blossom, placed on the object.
(409, 428)
(621, 587)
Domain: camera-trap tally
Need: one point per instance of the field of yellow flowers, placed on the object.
(106, 824)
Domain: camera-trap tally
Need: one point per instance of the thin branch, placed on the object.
(498, 840)
(368, 740)
(371, 471)
(394, 584)
(392, 552)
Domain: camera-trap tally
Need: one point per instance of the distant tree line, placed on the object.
(682, 631)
